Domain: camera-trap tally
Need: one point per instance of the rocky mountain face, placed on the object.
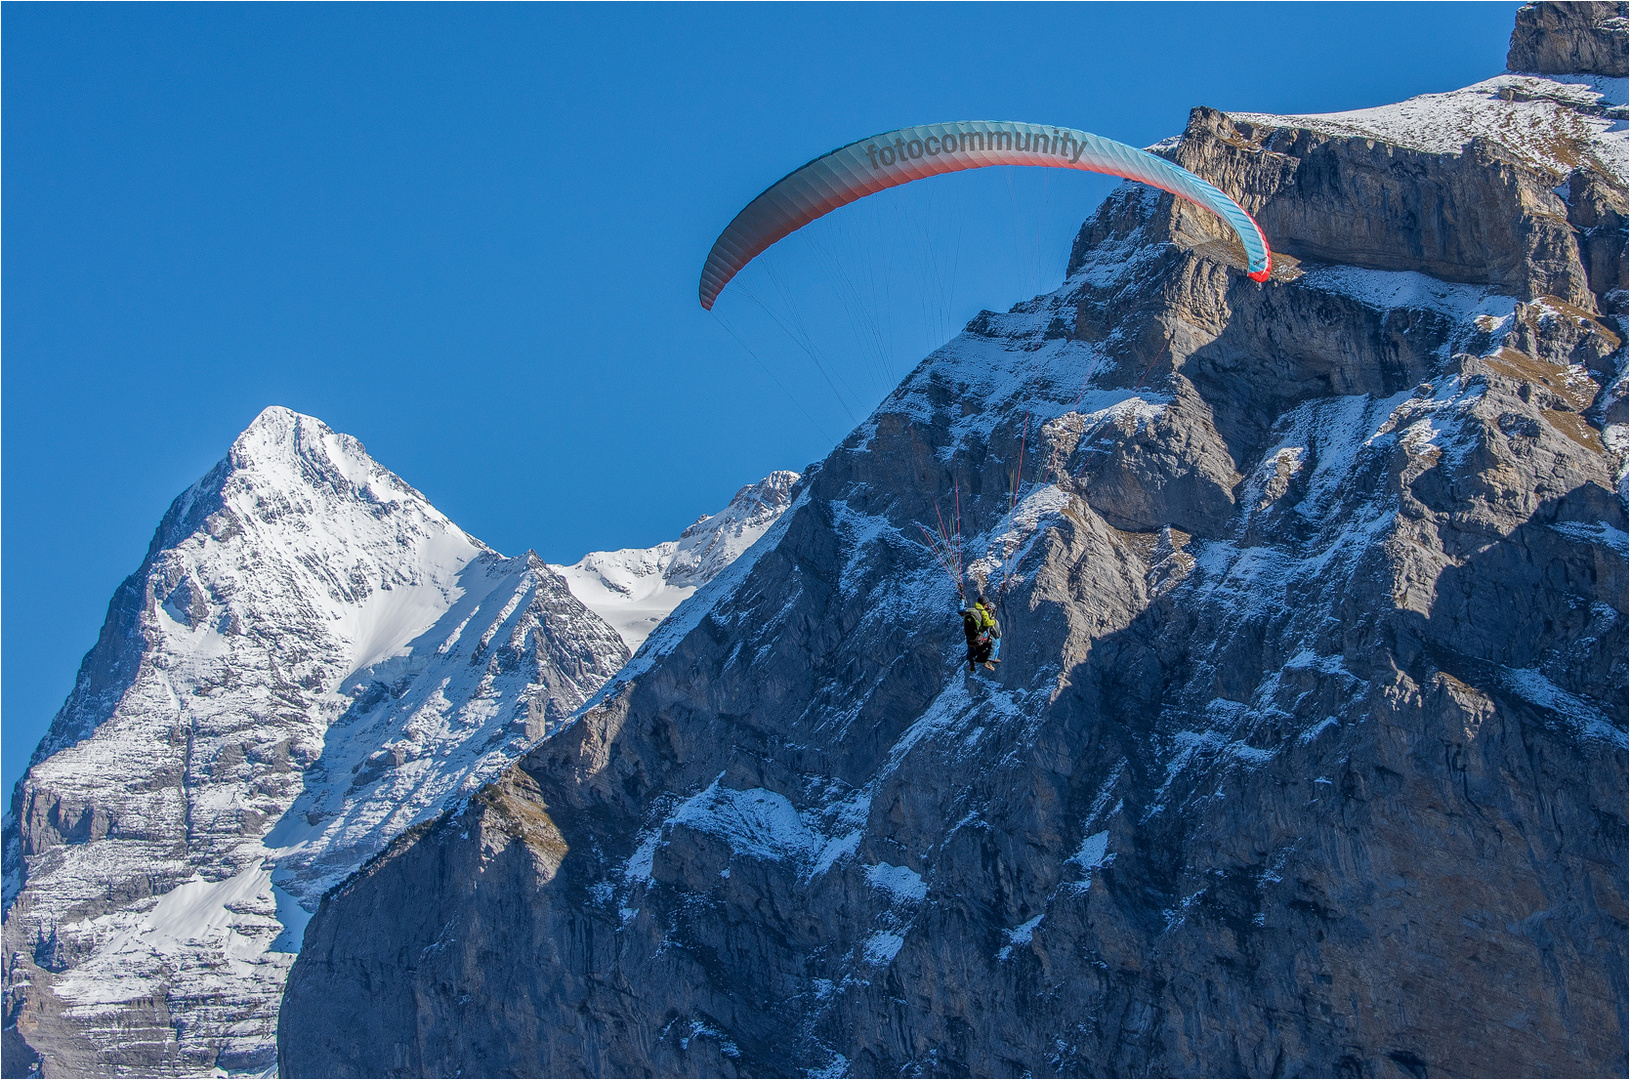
(1307, 754)
(634, 589)
(310, 660)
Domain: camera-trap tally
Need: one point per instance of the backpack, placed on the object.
(987, 620)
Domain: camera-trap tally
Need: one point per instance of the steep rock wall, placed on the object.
(1577, 35)
(1306, 754)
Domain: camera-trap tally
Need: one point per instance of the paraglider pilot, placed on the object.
(984, 634)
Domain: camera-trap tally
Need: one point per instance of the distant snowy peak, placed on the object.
(310, 659)
(285, 451)
(1547, 119)
(295, 523)
(281, 439)
(634, 589)
(307, 503)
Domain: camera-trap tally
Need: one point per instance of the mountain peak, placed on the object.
(751, 502)
(289, 447)
(310, 659)
(279, 434)
(292, 466)
(714, 541)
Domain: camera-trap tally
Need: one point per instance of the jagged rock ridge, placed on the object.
(310, 660)
(1307, 755)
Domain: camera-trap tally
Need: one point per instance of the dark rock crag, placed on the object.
(1571, 37)
(1307, 753)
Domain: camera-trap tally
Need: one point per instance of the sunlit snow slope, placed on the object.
(1555, 121)
(311, 659)
(634, 589)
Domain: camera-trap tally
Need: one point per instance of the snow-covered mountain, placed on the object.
(635, 589)
(310, 660)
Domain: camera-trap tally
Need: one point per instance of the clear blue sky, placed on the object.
(470, 235)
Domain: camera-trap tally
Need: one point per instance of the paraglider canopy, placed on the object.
(899, 157)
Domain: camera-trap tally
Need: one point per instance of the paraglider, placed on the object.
(875, 164)
(898, 157)
(984, 635)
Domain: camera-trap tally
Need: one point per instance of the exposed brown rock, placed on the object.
(1483, 216)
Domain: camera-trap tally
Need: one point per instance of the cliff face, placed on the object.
(1307, 752)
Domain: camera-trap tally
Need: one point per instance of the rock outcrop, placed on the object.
(1571, 37)
(1307, 752)
(310, 660)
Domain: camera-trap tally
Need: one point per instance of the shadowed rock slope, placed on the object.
(1307, 754)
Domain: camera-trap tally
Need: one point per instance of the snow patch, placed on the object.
(841, 847)
(1596, 532)
(882, 947)
(1386, 290)
(1587, 721)
(1094, 852)
(755, 822)
(1019, 935)
(900, 882)
(1537, 128)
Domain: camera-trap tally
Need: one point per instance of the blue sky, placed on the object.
(470, 235)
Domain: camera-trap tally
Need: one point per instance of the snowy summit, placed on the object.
(311, 659)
